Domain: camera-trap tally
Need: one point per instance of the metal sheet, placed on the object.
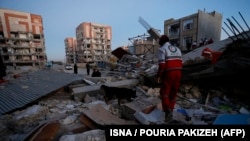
(31, 86)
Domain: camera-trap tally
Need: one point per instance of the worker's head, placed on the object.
(163, 39)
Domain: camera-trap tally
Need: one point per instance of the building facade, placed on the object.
(22, 40)
(93, 42)
(70, 50)
(195, 28)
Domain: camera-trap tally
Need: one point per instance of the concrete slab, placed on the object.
(156, 116)
(103, 117)
(143, 103)
(80, 92)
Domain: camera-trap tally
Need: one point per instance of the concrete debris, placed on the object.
(102, 117)
(156, 116)
(243, 110)
(93, 135)
(80, 92)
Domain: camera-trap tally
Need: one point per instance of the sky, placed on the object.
(61, 17)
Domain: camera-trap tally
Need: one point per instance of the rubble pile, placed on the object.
(194, 106)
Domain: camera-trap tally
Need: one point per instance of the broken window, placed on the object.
(188, 24)
(174, 29)
(1, 34)
(88, 45)
(175, 42)
(13, 34)
(5, 49)
(37, 36)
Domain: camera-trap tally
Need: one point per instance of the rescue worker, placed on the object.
(88, 68)
(169, 74)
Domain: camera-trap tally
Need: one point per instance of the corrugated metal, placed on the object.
(31, 86)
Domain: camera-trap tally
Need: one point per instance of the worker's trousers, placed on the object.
(169, 89)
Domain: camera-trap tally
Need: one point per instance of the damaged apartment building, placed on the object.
(22, 41)
(91, 44)
(195, 28)
(182, 32)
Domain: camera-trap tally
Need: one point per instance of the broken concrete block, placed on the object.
(156, 116)
(143, 103)
(243, 110)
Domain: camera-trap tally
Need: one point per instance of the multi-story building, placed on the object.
(93, 42)
(195, 28)
(22, 40)
(198, 28)
(70, 50)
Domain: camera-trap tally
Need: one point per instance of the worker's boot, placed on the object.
(168, 115)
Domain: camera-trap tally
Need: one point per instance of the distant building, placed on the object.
(197, 27)
(93, 42)
(22, 40)
(70, 50)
